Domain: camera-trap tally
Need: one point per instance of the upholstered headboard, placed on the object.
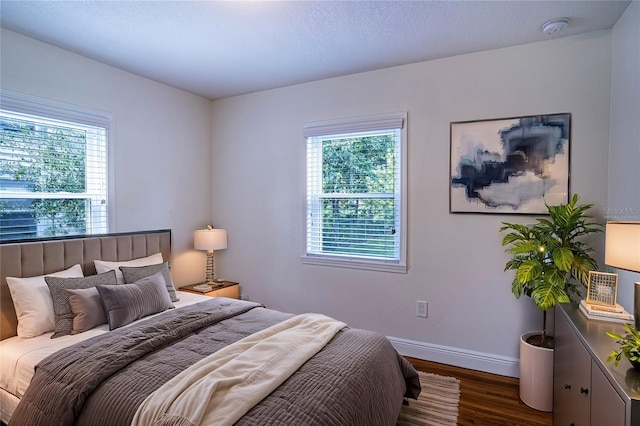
(30, 259)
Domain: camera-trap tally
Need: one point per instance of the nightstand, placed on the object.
(220, 289)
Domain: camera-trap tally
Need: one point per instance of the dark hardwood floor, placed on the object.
(487, 399)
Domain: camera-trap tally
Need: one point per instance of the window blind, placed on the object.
(353, 125)
(53, 174)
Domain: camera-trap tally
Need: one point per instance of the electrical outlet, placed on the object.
(422, 309)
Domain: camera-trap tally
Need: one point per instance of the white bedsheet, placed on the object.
(19, 356)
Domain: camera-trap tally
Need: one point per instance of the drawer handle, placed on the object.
(584, 391)
(567, 386)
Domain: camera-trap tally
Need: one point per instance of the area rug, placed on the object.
(437, 404)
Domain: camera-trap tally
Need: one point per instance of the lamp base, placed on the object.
(210, 271)
(636, 304)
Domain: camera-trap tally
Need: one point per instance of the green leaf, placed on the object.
(563, 258)
(511, 238)
(512, 264)
(517, 288)
(546, 295)
(615, 355)
(528, 271)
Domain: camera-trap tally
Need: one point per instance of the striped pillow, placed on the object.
(125, 303)
(132, 274)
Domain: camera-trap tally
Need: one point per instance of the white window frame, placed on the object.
(55, 110)
(348, 126)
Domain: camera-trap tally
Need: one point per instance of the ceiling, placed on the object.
(224, 48)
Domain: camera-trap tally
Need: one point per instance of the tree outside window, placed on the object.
(359, 220)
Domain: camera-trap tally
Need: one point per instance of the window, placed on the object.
(53, 169)
(355, 193)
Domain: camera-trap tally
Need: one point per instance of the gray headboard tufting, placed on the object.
(30, 259)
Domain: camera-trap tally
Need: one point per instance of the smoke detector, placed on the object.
(555, 26)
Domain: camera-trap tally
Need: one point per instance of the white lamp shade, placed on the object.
(622, 245)
(210, 239)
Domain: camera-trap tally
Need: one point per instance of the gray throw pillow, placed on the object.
(61, 307)
(134, 273)
(125, 303)
(87, 309)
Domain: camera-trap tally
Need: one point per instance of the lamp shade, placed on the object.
(210, 239)
(622, 245)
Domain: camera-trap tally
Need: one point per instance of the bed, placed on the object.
(182, 357)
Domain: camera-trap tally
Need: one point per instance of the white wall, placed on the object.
(455, 261)
(624, 150)
(161, 139)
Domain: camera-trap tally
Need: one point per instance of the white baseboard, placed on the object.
(489, 363)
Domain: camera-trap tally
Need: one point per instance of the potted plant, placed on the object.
(551, 264)
(629, 346)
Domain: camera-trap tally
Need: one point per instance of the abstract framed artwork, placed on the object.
(512, 165)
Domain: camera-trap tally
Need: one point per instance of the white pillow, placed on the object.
(103, 266)
(33, 304)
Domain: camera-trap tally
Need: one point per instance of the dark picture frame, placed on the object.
(512, 165)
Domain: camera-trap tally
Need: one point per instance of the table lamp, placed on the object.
(210, 239)
(622, 250)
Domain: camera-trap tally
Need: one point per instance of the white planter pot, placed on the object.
(536, 375)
